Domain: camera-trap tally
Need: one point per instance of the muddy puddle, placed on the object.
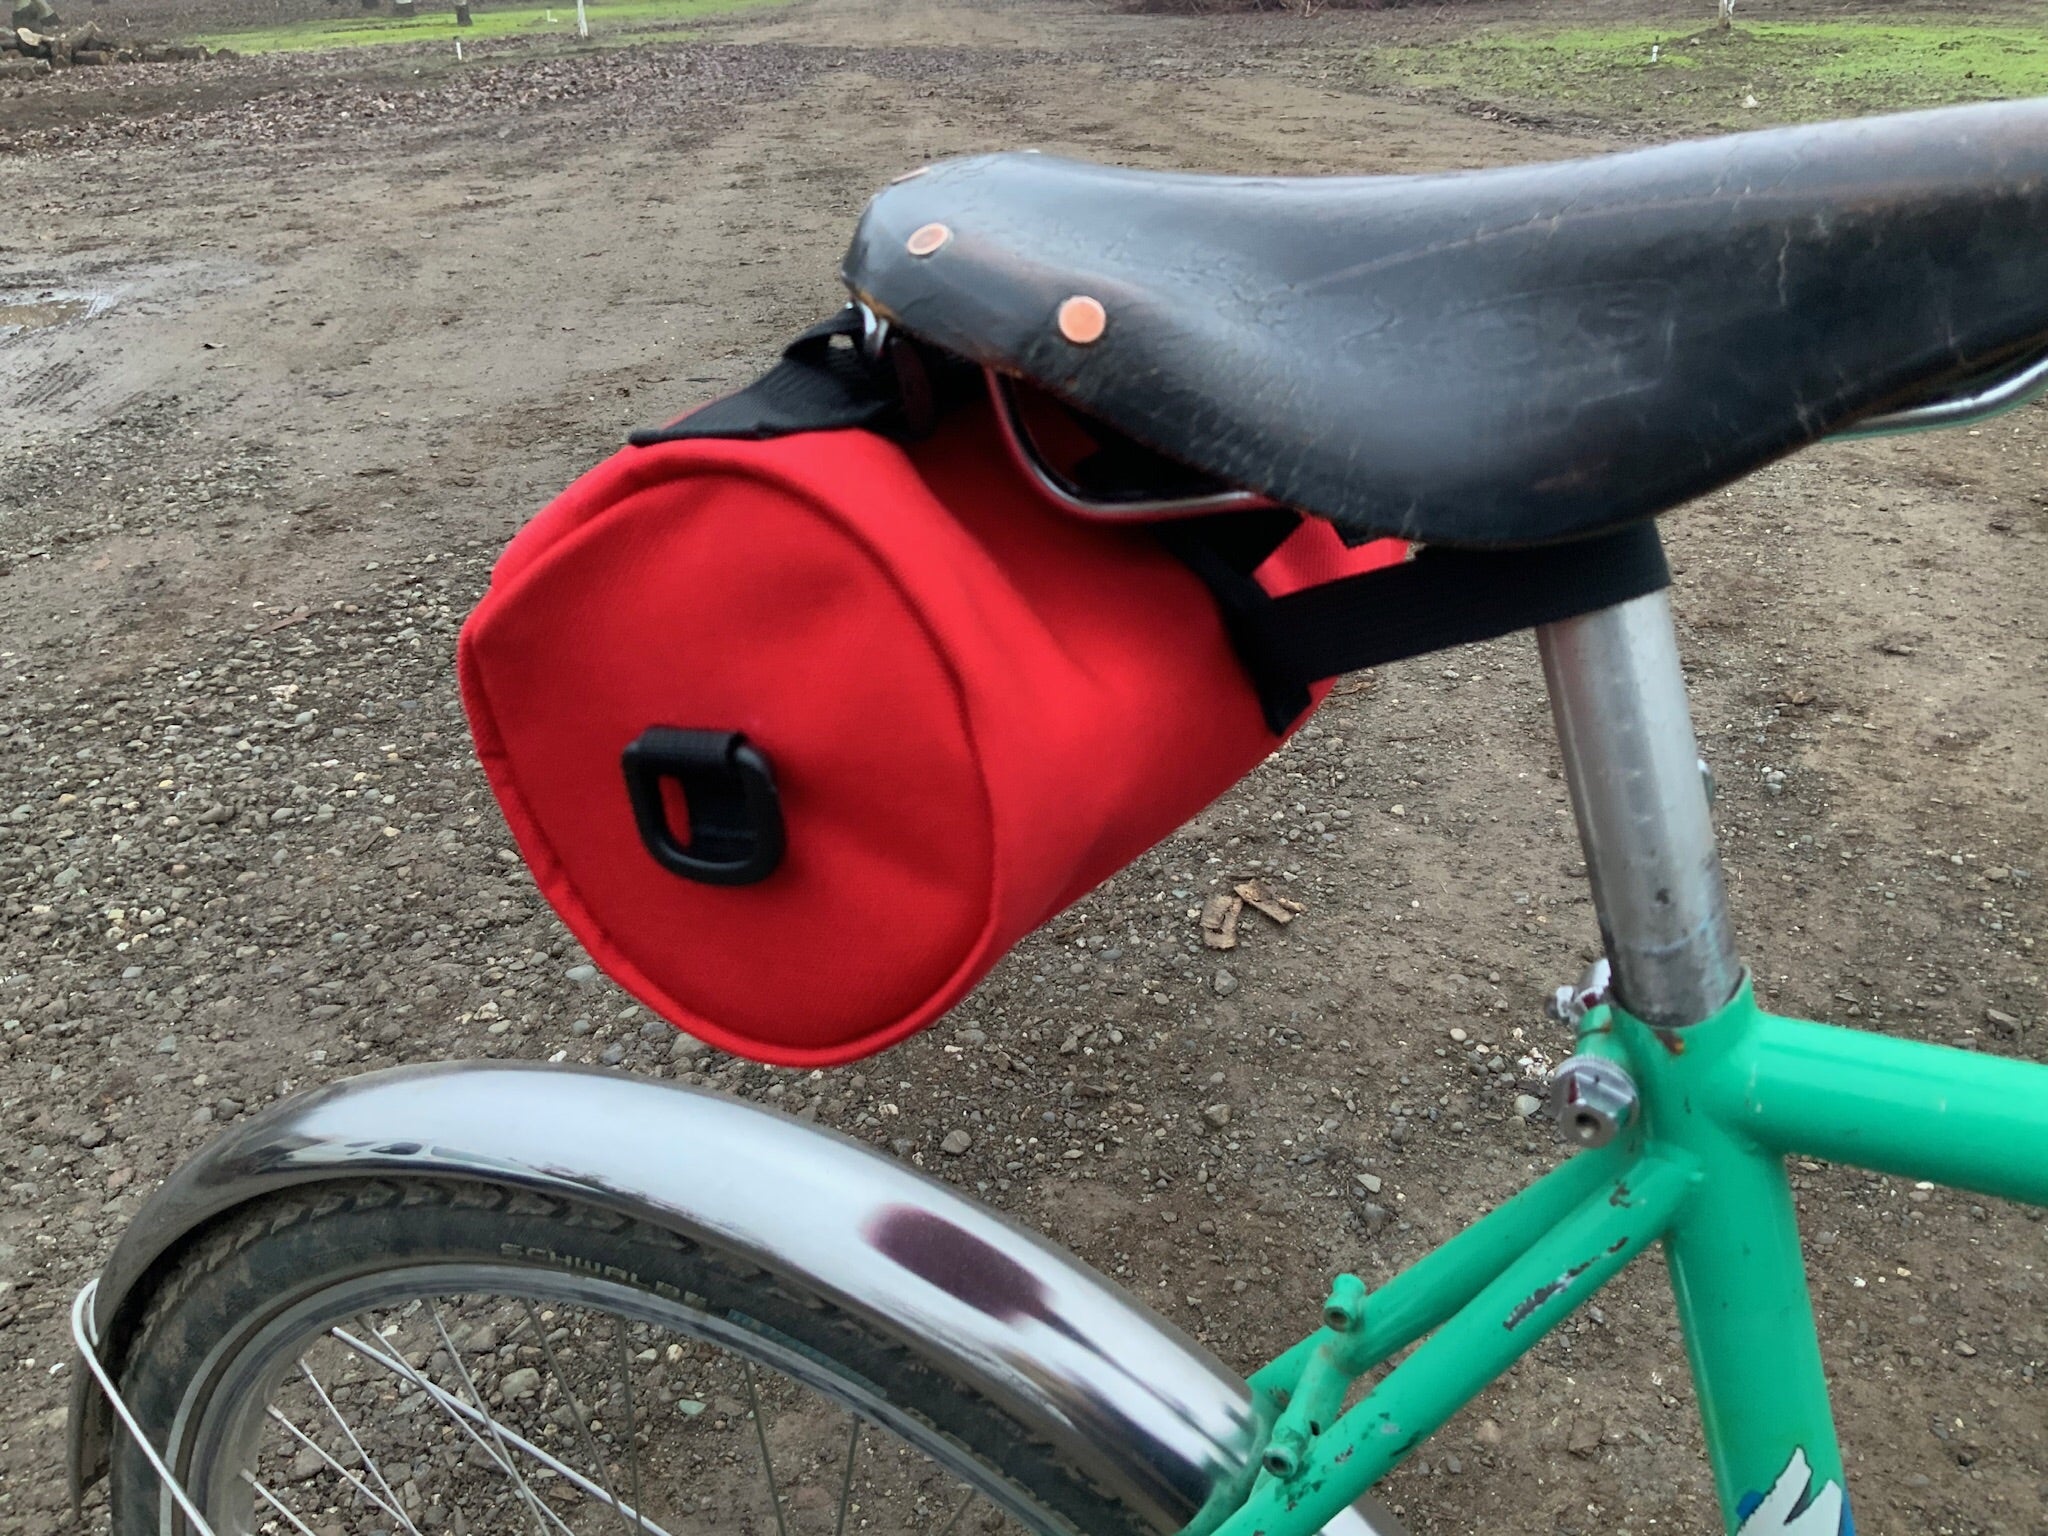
(21, 312)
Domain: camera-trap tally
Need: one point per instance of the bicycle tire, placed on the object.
(224, 1315)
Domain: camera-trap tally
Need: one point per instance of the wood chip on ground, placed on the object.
(1219, 920)
(1281, 909)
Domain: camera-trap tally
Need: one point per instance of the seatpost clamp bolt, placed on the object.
(1344, 1312)
(1569, 1005)
(1592, 1098)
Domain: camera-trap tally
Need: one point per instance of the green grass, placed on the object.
(609, 22)
(1791, 71)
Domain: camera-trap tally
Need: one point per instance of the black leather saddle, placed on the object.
(1497, 357)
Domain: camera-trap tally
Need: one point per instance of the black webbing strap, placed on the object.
(816, 387)
(1440, 598)
(827, 381)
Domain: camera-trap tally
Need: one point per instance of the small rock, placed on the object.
(686, 1047)
(1369, 1182)
(1170, 1217)
(1376, 1216)
(304, 1465)
(1526, 1104)
(226, 1109)
(2002, 1020)
(1460, 1036)
(581, 973)
(168, 1046)
(523, 1382)
(131, 973)
(93, 1136)
(956, 1142)
(1206, 1228)
(1223, 983)
(1217, 1115)
(612, 1054)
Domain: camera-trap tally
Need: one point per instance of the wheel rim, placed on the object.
(450, 1399)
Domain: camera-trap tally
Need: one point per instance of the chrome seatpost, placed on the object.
(1617, 694)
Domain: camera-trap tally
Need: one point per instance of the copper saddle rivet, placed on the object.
(1082, 320)
(927, 238)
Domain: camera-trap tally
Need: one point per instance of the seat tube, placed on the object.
(1639, 792)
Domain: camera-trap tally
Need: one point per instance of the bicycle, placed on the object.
(302, 1271)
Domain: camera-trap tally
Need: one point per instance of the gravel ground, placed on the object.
(362, 322)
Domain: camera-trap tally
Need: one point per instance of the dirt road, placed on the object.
(361, 317)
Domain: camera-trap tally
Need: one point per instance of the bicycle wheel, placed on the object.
(424, 1357)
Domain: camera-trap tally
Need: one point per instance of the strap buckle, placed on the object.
(735, 813)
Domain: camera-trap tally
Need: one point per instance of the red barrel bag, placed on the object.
(801, 730)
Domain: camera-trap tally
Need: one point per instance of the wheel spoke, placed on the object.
(272, 1500)
(396, 1506)
(626, 1389)
(954, 1519)
(846, 1484)
(632, 1520)
(767, 1461)
(369, 1494)
(541, 1513)
(461, 1413)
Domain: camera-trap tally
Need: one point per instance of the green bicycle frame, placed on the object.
(1699, 1169)
(1707, 1096)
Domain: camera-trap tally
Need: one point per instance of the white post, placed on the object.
(458, 50)
(582, 21)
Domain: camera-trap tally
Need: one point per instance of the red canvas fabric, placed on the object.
(977, 708)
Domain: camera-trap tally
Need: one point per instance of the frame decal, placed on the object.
(1794, 1507)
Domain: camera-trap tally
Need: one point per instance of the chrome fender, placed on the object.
(1152, 1416)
